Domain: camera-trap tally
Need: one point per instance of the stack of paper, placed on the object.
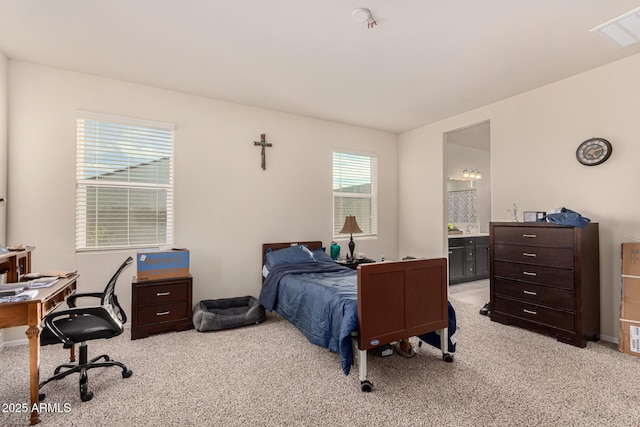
(11, 289)
(42, 282)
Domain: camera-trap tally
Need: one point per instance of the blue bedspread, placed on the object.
(320, 299)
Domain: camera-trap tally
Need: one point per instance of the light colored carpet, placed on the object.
(270, 375)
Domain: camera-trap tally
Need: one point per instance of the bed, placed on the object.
(349, 311)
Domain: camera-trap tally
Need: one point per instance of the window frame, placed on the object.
(83, 184)
(373, 196)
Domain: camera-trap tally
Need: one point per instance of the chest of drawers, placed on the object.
(160, 306)
(546, 278)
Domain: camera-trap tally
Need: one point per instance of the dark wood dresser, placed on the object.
(546, 278)
(161, 306)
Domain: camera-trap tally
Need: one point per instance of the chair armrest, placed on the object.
(71, 300)
(105, 313)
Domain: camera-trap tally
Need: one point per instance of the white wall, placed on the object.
(4, 72)
(225, 204)
(533, 141)
(4, 63)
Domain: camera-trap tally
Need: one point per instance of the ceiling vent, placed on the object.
(623, 30)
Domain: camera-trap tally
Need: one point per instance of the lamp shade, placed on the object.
(350, 225)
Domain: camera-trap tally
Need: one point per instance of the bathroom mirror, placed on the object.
(460, 185)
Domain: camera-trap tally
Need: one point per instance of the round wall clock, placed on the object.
(594, 151)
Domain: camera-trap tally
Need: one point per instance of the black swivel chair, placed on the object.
(82, 324)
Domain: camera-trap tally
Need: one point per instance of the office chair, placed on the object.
(82, 324)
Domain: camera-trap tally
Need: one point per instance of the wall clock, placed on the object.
(594, 151)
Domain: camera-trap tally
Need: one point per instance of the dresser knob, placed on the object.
(164, 313)
(528, 254)
(529, 236)
(530, 293)
(162, 294)
(529, 311)
(528, 273)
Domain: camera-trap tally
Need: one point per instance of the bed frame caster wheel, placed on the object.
(447, 357)
(127, 373)
(85, 397)
(366, 386)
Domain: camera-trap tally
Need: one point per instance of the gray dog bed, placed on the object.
(227, 313)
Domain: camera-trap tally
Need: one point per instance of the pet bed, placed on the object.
(227, 313)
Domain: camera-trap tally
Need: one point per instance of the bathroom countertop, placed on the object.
(468, 235)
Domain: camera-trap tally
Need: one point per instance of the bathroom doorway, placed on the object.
(468, 177)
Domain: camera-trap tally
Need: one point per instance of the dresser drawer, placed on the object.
(535, 294)
(558, 237)
(551, 257)
(161, 313)
(470, 254)
(557, 277)
(162, 294)
(535, 313)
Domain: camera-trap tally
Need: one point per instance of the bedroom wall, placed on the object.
(225, 204)
(534, 137)
(4, 63)
(4, 102)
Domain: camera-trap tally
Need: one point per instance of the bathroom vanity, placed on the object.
(468, 257)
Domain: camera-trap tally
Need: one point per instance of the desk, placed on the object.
(31, 313)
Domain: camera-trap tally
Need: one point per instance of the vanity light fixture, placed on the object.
(473, 174)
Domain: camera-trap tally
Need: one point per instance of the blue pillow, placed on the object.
(291, 254)
(321, 256)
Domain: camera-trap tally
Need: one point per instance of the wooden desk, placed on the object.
(31, 313)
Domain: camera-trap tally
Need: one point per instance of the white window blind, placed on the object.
(124, 182)
(355, 192)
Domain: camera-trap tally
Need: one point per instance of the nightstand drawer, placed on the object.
(556, 277)
(550, 257)
(161, 313)
(558, 237)
(162, 294)
(535, 294)
(535, 313)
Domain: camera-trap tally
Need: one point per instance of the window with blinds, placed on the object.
(124, 183)
(355, 192)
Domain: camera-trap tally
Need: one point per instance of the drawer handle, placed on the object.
(529, 311)
(528, 273)
(529, 236)
(528, 254)
(162, 294)
(164, 313)
(530, 293)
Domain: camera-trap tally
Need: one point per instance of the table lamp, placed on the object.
(351, 226)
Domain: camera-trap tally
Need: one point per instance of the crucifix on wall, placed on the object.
(263, 143)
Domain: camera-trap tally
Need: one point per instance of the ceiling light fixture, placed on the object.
(361, 15)
(623, 30)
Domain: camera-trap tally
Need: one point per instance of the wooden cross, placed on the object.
(263, 143)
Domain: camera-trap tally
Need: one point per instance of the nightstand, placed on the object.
(354, 263)
(160, 306)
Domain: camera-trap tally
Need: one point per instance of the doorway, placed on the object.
(468, 177)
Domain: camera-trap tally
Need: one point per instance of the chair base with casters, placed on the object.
(82, 367)
(77, 325)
